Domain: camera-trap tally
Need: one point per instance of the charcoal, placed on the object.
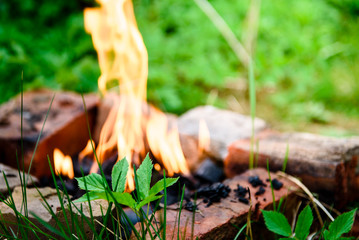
(260, 191)
(174, 192)
(213, 193)
(83, 166)
(70, 185)
(241, 191)
(190, 206)
(243, 200)
(108, 164)
(277, 184)
(255, 181)
(209, 172)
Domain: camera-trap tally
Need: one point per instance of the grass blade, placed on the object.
(252, 100)
(179, 213)
(285, 158)
(165, 205)
(271, 187)
(240, 231)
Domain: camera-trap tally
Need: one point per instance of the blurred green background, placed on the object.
(306, 56)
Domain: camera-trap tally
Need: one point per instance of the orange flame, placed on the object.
(123, 57)
(203, 137)
(87, 150)
(165, 144)
(63, 164)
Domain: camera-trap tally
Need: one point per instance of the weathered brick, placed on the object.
(224, 127)
(65, 128)
(12, 178)
(217, 221)
(322, 163)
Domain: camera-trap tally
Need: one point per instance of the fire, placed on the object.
(203, 137)
(87, 150)
(63, 164)
(132, 126)
(165, 144)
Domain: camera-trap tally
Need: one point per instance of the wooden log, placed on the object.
(65, 128)
(322, 163)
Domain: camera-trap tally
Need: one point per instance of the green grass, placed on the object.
(305, 54)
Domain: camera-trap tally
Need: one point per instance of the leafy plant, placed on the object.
(95, 184)
(277, 223)
(340, 225)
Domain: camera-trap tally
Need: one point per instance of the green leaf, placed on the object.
(119, 173)
(144, 174)
(277, 223)
(341, 224)
(125, 199)
(148, 199)
(160, 185)
(94, 182)
(305, 220)
(93, 196)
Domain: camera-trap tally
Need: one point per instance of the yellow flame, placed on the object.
(165, 144)
(87, 150)
(63, 164)
(203, 137)
(123, 58)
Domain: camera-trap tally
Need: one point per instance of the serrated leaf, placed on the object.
(93, 196)
(305, 220)
(326, 234)
(277, 223)
(125, 199)
(341, 224)
(160, 185)
(144, 174)
(94, 182)
(148, 199)
(119, 173)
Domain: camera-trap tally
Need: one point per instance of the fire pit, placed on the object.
(207, 148)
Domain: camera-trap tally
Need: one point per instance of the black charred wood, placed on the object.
(209, 172)
(255, 181)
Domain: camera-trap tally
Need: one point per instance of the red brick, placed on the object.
(65, 128)
(216, 221)
(322, 163)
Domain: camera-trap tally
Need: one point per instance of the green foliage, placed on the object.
(97, 188)
(277, 223)
(92, 182)
(340, 225)
(119, 175)
(305, 66)
(305, 220)
(144, 174)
